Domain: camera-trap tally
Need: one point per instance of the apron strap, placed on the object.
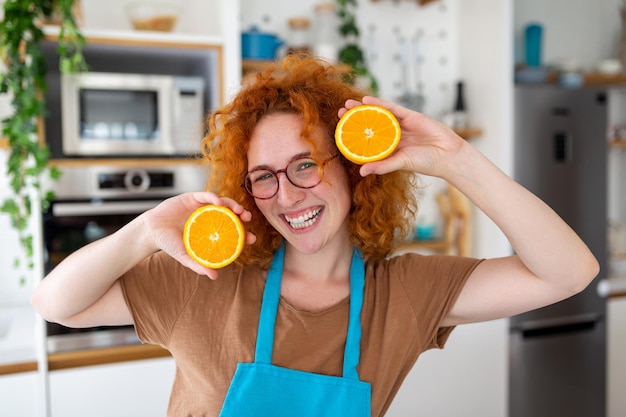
(269, 309)
(353, 339)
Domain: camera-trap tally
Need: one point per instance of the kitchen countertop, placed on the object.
(18, 346)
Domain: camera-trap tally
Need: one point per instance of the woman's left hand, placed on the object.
(426, 146)
(550, 262)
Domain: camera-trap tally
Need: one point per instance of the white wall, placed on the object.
(16, 284)
(12, 290)
(586, 31)
(382, 23)
(196, 16)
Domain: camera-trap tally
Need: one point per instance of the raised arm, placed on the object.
(551, 262)
(84, 290)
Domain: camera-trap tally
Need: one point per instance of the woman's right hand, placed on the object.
(164, 225)
(84, 289)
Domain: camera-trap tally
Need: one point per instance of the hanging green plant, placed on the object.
(24, 80)
(351, 53)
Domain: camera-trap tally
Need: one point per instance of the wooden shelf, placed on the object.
(253, 65)
(424, 245)
(420, 2)
(456, 236)
(125, 162)
(250, 65)
(142, 38)
(617, 144)
(592, 79)
(469, 133)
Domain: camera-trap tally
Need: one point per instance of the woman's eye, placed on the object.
(263, 177)
(303, 166)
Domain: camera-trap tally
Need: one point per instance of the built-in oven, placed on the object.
(95, 201)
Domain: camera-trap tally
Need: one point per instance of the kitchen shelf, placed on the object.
(251, 65)
(256, 65)
(141, 38)
(592, 79)
(469, 133)
(420, 2)
(455, 211)
(125, 162)
(617, 144)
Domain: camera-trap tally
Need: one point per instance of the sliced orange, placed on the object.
(367, 133)
(214, 236)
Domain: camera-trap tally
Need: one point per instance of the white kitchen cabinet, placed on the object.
(134, 389)
(18, 395)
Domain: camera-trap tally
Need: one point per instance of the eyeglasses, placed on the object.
(303, 172)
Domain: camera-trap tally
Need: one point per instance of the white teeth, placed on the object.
(304, 220)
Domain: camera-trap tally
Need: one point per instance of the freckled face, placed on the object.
(309, 219)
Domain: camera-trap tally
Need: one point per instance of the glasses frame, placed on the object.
(321, 166)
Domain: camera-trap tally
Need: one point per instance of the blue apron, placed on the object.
(266, 390)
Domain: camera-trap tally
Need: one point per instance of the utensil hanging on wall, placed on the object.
(408, 98)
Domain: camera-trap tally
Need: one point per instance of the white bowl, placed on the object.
(153, 16)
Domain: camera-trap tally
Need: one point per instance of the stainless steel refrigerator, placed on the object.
(558, 353)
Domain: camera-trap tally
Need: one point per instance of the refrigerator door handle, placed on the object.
(560, 325)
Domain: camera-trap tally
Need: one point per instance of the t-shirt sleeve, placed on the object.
(433, 284)
(156, 291)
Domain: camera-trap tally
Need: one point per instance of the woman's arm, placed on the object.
(84, 291)
(550, 263)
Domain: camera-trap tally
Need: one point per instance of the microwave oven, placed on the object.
(107, 114)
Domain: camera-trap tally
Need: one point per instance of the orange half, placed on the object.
(214, 236)
(367, 133)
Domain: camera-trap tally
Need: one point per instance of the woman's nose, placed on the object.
(288, 194)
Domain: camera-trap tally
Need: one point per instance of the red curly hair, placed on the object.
(383, 206)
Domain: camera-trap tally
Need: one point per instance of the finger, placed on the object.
(203, 198)
(385, 166)
(250, 238)
(238, 209)
(350, 103)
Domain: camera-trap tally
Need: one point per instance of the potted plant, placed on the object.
(351, 52)
(24, 81)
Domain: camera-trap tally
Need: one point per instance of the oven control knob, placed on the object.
(137, 180)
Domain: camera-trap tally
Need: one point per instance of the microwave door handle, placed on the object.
(103, 207)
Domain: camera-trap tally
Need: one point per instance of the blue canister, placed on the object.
(533, 35)
(259, 45)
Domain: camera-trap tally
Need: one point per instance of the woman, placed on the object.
(307, 241)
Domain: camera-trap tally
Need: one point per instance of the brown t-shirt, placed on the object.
(210, 326)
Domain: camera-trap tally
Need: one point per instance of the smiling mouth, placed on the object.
(304, 220)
